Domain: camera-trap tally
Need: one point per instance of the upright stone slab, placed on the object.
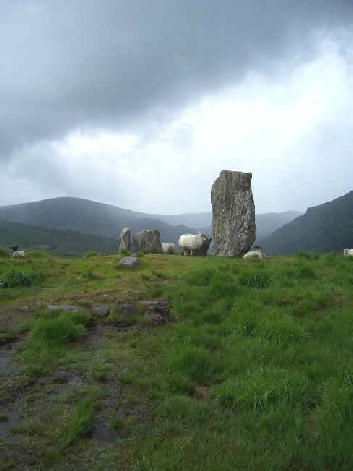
(148, 240)
(233, 214)
(125, 240)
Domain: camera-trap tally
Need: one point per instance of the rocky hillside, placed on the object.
(324, 228)
(269, 222)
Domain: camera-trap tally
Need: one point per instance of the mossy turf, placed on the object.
(256, 373)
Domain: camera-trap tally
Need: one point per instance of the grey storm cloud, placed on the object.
(109, 63)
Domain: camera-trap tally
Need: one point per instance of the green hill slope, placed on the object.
(75, 214)
(66, 243)
(324, 228)
(268, 222)
(90, 217)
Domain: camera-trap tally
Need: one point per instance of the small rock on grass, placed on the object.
(130, 262)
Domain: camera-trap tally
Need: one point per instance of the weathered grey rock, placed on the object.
(233, 211)
(101, 311)
(125, 240)
(148, 240)
(126, 310)
(129, 292)
(159, 312)
(130, 262)
(62, 307)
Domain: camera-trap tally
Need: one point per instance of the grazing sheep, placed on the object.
(348, 252)
(194, 244)
(257, 252)
(17, 253)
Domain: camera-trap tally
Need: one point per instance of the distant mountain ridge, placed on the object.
(90, 217)
(269, 222)
(324, 228)
(195, 220)
(265, 223)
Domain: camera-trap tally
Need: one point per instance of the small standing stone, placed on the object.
(149, 240)
(125, 240)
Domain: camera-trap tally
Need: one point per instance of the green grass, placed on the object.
(257, 372)
(79, 423)
(51, 333)
(264, 344)
(17, 278)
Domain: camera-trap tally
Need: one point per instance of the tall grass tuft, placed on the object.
(4, 253)
(255, 279)
(304, 255)
(17, 278)
(57, 332)
(50, 335)
(304, 271)
(192, 364)
(200, 277)
(261, 389)
(79, 424)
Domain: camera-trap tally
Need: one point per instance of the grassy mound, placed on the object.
(256, 373)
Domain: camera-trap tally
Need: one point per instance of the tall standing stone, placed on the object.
(125, 240)
(233, 214)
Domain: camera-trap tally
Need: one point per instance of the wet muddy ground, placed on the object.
(32, 406)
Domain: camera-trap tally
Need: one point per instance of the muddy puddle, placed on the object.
(6, 353)
(9, 421)
(94, 337)
(104, 432)
(63, 377)
(4, 360)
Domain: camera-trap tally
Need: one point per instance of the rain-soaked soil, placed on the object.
(9, 422)
(6, 352)
(27, 404)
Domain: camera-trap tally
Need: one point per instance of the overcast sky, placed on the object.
(141, 103)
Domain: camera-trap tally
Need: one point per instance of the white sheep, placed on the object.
(17, 253)
(194, 244)
(257, 252)
(348, 252)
